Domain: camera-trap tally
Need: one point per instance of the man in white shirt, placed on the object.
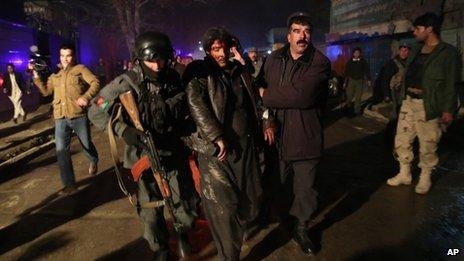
(14, 88)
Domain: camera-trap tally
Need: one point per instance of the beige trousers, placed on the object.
(412, 124)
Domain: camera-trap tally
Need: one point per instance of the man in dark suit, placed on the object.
(295, 80)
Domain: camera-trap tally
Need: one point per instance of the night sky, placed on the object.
(250, 20)
(12, 11)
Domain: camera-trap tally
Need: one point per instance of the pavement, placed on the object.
(359, 217)
(26, 137)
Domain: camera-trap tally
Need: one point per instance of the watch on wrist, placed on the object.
(266, 114)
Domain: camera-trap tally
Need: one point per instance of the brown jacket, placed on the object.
(67, 86)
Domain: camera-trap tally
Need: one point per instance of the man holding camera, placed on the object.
(70, 100)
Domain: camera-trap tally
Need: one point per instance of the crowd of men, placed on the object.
(231, 109)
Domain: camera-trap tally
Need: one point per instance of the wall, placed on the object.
(349, 14)
(375, 51)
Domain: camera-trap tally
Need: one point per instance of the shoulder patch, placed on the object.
(101, 103)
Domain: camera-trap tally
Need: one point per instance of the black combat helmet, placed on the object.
(151, 46)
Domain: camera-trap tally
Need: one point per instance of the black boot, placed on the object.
(264, 215)
(183, 246)
(161, 255)
(300, 235)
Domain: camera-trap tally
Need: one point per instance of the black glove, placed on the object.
(133, 136)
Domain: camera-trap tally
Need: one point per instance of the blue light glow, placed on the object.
(16, 61)
(333, 51)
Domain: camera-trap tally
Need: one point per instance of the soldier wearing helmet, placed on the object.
(159, 95)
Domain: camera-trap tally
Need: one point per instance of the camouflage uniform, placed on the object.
(429, 91)
(411, 124)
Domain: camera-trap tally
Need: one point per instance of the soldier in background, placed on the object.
(393, 77)
(429, 101)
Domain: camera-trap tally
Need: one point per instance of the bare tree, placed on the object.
(128, 13)
(135, 15)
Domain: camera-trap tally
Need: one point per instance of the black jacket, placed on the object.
(207, 96)
(357, 70)
(19, 79)
(301, 100)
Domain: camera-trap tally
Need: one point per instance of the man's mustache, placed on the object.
(302, 42)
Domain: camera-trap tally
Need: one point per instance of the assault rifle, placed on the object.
(152, 161)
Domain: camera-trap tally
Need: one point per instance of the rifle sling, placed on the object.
(115, 115)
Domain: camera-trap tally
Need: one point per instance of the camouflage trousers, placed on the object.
(412, 124)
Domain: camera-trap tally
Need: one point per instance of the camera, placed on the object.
(37, 60)
(237, 45)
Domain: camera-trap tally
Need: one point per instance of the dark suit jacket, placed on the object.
(301, 100)
(19, 80)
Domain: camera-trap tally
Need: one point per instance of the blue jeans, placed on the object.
(63, 133)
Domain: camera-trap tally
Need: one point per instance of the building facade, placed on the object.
(378, 26)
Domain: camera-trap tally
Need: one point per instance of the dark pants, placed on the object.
(396, 102)
(230, 191)
(304, 202)
(154, 225)
(63, 135)
(354, 90)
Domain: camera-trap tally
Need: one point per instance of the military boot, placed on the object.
(425, 181)
(402, 178)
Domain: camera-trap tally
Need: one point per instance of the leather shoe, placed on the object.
(300, 236)
(68, 190)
